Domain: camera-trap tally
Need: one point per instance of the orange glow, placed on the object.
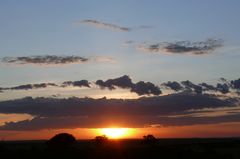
(116, 133)
(231, 129)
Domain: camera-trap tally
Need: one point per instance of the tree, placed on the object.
(101, 139)
(149, 139)
(62, 139)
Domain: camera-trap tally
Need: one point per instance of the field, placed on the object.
(228, 148)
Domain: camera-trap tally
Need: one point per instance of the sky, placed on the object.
(165, 65)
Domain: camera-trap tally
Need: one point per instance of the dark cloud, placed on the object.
(148, 88)
(173, 85)
(189, 85)
(105, 25)
(223, 88)
(44, 85)
(183, 47)
(82, 83)
(22, 87)
(156, 105)
(125, 82)
(38, 123)
(141, 87)
(203, 47)
(103, 84)
(54, 113)
(45, 60)
(32, 86)
(235, 84)
(121, 82)
(208, 87)
(72, 122)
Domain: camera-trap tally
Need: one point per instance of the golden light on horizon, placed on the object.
(116, 133)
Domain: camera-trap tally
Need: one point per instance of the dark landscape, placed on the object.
(224, 148)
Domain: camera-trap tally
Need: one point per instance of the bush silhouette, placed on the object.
(149, 139)
(62, 139)
(101, 139)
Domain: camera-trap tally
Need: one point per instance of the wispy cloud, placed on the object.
(104, 25)
(31, 86)
(183, 47)
(103, 59)
(80, 83)
(45, 60)
(52, 60)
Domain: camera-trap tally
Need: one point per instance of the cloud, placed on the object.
(73, 122)
(141, 87)
(236, 84)
(148, 88)
(31, 86)
(45, 60)
(104, 59)
(189, 85)
(121, 82)
(125, 82)
(173, 85)
(208, 87)
(184, 47)
(157, 105)
(100, 24)
(223, 88)
(204, 88)
(55, 113)
(81, 83)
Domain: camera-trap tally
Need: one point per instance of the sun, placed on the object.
(115, 133)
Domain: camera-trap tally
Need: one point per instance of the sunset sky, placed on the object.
(163, 67)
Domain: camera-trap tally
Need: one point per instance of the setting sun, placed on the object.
(116, 133)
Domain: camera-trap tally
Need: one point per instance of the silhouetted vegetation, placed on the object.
(61, 140)
(101, 139)
(123, 149)
(149, 139)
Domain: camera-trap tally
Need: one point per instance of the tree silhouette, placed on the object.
(62, 139)
(149, 139)
(101, 139)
